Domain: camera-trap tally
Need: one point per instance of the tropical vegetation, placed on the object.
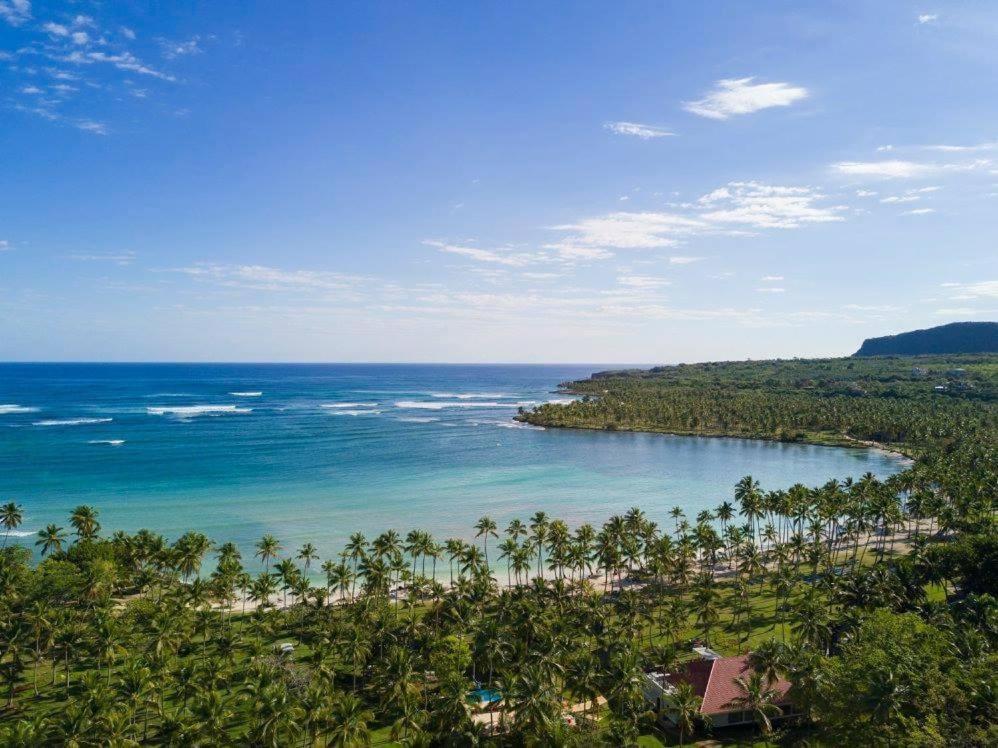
(876, 598)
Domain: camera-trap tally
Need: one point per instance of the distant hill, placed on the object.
(957, 337)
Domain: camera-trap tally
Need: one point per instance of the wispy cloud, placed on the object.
(266, 278)
(510, 259)
(683, 260)
(642, 281)
(95, 128)
(630, 230)
(15, 12)
(122, 60)
(977, 290)
(904, 169)
(118, 258)
(891, 169)
(636, 129)
(173, 49)
(4, 245)
(924, 18)
(771, 278)
(919, 212)
(768, 206)
(733, 96)
(946, 148)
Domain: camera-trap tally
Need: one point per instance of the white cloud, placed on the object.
(630, 230)
(636, 129)
(894, 169)
(770, 289)
(4, 245)
(924, 18)
(119, 258)
(642, 281)
(126, 32)
(172, 49)
(80, 37)
(55, 29)
(873, 307)
(15, 12)
(919, 212)
(987, 146)
(733, 96)
(483, 255)
(770, 278)
(767, 206)
(901, 199)
(264, 278)
(865, 193)
(123, 61)
(33, 90)
(680, 260)
(87, 125)
(570, 252)
(977, 290)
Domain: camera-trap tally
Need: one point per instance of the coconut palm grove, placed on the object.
(855, 612)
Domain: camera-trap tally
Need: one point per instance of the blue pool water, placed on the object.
(316, 452)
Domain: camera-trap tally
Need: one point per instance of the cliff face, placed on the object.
(957, 337)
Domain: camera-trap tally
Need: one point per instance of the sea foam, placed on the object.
(190, 411)
(356, 412)
(347, 405)
(72, 422)
(109, 442)
(9, 408)
(440, 405)
(246, 394)
(470, 395)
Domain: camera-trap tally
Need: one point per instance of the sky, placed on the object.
(641, 182)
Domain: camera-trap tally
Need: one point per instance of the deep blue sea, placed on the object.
(316, 452)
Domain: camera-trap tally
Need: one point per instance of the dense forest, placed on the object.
(906, 403)
(956, 337)
(875, 599)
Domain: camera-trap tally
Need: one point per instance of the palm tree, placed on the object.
(84, 521)
(52, 537)
(11, 516)
(749, 496)
(757, 697)
(485, 527)
(539, 527)
(350, 723)
(266, 549)
(684, 710)
(307, 554)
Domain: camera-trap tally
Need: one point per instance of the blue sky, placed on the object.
(443, 181)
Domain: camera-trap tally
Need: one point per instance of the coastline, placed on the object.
(843, 442)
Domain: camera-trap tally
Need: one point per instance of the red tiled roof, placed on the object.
(714, 682)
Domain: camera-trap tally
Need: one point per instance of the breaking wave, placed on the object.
(72, 422)
(10, 408)
(190, 411)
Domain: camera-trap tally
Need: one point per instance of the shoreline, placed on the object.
(847, 442)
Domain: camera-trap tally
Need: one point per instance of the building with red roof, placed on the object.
(714, 679)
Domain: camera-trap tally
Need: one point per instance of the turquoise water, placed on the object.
(316, 452)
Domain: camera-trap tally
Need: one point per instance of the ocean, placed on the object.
(317, 452)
